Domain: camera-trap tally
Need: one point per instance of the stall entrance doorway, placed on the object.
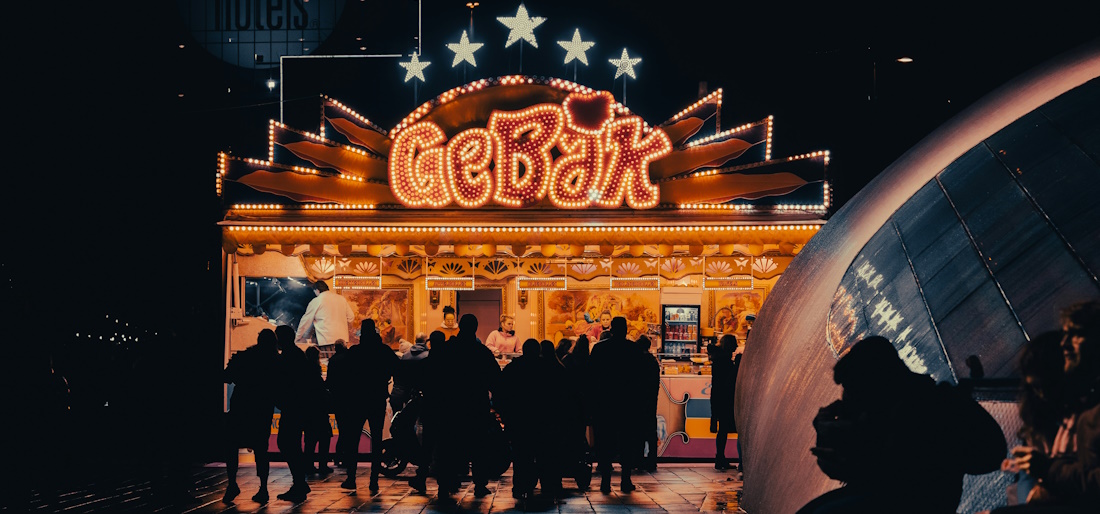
(483, 303)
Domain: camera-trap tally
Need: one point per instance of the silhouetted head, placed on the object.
(728, 343)
(468, 323)
(531, 347)
(436, 338)
(1042, 382)
(314, 355)
(547, 347)
(339, 346)
(582, 345)
(644, 343)
(974, 363)
(421, 338)
(268, 340)
(870, 369)
(366, 328)
(618, 327)
(1042, 365)
(285, 335)
(563, 347)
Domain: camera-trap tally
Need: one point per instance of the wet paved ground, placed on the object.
(672, 488)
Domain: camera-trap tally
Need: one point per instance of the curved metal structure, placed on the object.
(969, 244)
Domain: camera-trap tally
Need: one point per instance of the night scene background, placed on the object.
(118, 114)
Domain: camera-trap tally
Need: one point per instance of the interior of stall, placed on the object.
(670, 300)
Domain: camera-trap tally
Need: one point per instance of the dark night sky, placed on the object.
(115, 207)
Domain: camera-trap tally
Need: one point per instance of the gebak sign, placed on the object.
(576, 154)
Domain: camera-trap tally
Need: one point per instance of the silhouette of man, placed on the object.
(414, 368)
(577, 434)
(893, 428)
(462, 373)
(406, 381)
(361, 385)
(618, 372)
(1070, 472)
(318, 428)
(648, 422)
(292, 399)
(336, 368)
(552, 457)
(518, 400)
(252, 372)
(326, 319)
(723, 381)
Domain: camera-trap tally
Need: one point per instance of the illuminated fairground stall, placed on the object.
(537, 198)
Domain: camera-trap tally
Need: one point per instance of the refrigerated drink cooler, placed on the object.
(680, 330)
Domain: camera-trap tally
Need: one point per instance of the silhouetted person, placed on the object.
(462, 373)
(1040, 403)
(293, 401)
(252, 372)
(974, 364)
(617, 370)
(406, 381)
(1069, 473)
(338, 361)
(648, 422)
(519, 399)
(552, 458)
(362, 386)
(723, 376)
(893, 429)
(415, 368)
(576, 366)
(318, 429)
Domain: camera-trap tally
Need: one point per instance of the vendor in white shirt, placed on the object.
(504, 340)
(326, 319)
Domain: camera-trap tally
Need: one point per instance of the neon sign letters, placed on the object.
(576, 155)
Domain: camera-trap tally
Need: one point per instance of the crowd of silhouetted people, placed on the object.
(551, 412)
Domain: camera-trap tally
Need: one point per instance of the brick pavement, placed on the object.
(674, 487)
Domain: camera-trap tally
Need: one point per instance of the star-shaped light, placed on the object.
(464, 50)
(575, 49)
(415, 68)
(625, 65)
(521, 26)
